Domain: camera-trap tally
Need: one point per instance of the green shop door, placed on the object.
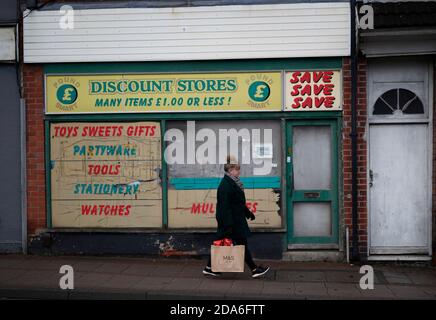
(312, 183)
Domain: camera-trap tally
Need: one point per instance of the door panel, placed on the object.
(312, 182)
(312, 163)
(312, 219)
(398, 190)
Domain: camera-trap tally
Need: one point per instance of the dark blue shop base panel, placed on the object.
(262, 245)
(13, 247)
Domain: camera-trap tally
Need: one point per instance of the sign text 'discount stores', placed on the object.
(124, 93)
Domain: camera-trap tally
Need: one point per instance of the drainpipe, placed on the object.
(353, 135)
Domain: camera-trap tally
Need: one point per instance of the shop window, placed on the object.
(398, 102)
(195, 154)
(106, 175)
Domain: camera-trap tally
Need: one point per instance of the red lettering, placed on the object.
(305, 77)
(317, 88)
(130, 131)
(294, 77)
(328, 89)
(65, 131)
(141, 130)
(317, 76)
(252, 206)
(254, 209)
(86, 210)
(102, 131)
(296, 103)
(96, 169)
(307, 103)
(296, 91)
(204, 208)
(312, 89)
(195, 208)
(112, 210)
(71, 131)
(319, 101)
(307, 90)
(327, 78)
(329, 101)
(93, 131)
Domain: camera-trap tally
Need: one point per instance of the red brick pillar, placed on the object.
(361, 153)
(33, 83)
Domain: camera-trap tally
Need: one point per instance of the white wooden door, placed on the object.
(399, 166)
(398, 191)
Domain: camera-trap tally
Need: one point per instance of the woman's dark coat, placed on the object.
(232, 212)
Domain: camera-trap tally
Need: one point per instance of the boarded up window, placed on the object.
(195, 154)
(106, 175)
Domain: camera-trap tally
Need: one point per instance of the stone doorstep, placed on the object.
(313, 256)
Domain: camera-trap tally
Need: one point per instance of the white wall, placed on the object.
(190, 33)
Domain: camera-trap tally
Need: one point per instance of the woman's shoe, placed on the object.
(208, 271)
(259, 271)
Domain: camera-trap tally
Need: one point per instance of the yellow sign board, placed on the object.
(197, 208)
(124, 93)
(106, 175)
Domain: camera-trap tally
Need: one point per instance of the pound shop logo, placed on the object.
(66, 94)
(259, 91)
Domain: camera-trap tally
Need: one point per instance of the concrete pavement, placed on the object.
(37, 277)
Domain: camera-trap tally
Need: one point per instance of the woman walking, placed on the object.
(231, 216)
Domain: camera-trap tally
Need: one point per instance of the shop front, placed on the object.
(138, 107)
(134, 154)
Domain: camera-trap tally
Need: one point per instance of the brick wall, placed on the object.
(361, 153)
(33, 93)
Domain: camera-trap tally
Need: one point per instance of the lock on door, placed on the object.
(371, 178)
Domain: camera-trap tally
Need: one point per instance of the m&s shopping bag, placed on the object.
(226, 257)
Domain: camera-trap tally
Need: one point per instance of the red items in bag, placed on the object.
(223, 242)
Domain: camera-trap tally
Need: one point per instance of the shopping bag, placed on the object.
(227, 258)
